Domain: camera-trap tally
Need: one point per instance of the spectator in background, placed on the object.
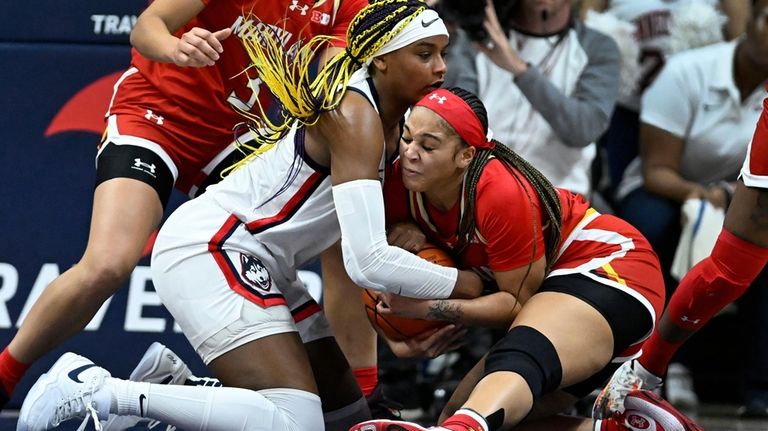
(692, 145)
(659, 28)
(550, 85)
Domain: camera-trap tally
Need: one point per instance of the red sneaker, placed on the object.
(646, 411)
(387, 425)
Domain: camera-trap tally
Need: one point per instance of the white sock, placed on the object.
(218, 408)
(650, 380)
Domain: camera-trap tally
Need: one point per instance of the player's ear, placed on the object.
(465, 156)
(380, 63)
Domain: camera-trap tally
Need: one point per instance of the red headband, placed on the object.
(459, 115)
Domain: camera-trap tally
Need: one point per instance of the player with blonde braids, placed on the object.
(556, 270)
(225, 264)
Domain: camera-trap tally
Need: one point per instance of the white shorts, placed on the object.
(754, 173)
(223, 297)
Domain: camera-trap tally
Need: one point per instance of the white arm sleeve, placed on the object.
(369, 260)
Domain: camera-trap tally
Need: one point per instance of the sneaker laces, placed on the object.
(624, 384)
(73, 406)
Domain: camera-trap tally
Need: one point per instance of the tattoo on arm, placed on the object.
(442, 309)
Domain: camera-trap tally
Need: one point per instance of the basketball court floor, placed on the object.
(712, 418)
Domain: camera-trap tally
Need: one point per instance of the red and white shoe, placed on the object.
(388, 425)
(646, 411)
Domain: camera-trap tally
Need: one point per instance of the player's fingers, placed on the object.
(383, 309)
(214, 40)
(200, 42)
(222, 34)
(187, 54)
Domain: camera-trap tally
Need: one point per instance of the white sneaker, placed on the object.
(679, 389)
(72, 388)
(159, 365)
(628, 377)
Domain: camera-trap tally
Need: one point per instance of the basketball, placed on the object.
(398, 328)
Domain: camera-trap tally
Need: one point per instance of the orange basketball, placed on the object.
(401, 328)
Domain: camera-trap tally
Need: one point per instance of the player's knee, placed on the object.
(732, 267)
(527, 352)
(103, 277)
(296, 410)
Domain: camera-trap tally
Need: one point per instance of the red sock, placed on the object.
(367, 378)
(11, 371)
(465, 420)
(708, 287)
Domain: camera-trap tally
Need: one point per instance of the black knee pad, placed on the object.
(529, 353)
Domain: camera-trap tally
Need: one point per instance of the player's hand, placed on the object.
(407, 236)
(398, 305)
(430, 344)
(199, 47)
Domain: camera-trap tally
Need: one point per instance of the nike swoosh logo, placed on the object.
(428, 23)
(142, 397)
(75, 374)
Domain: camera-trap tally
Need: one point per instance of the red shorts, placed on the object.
(611, 252)
(190, 142)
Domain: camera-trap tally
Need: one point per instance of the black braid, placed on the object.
(547, 194)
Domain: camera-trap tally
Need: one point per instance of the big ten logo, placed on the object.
(113, 24)
(141, 294)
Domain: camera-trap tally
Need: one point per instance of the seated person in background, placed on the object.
(659, 29)
(692, 144)
(556, 269)
(550, 85)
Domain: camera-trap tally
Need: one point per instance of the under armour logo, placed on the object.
(694, 321)
(146, 167)
(440, 99)
(295, 6)
(638, 422)
(151, 116)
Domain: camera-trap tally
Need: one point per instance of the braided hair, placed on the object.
(303, 99)
(547, 194)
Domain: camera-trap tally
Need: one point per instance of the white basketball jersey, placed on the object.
(284, 199)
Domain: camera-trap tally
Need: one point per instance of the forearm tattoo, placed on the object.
(442, 309)
(759, 214)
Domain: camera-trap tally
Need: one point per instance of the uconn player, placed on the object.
(170, 124)
(282, 208)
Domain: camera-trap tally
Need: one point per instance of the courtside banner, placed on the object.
(82, 21)
(54, 97)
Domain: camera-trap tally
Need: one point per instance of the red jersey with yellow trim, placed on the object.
(201, 104)
(508, 219)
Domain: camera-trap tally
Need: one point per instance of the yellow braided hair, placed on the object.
(303, 98)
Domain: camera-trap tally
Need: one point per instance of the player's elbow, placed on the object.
(360, 268)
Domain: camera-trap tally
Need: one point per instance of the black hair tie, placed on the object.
(354, 59)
